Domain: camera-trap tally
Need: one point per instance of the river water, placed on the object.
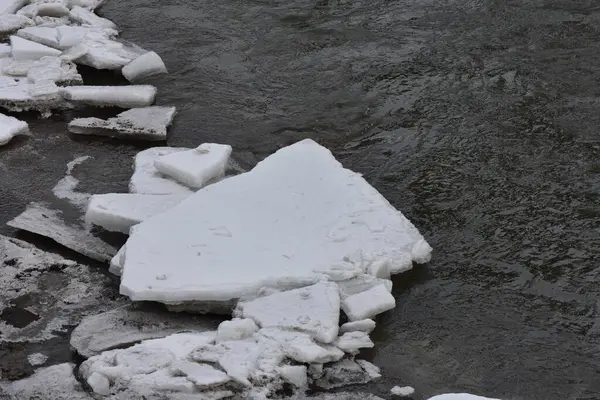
(477, 118)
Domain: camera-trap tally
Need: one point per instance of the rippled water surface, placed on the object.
(477, 118)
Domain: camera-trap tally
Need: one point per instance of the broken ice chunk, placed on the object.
(56, 382)
(118, 212)
(117, 96)
(404, 391)
(372, 370)
(11, 6)
(87, 17)
(146, 65)
(5, 50)
(10, 127)
(369, 303)
(37, 359)
(52, 9)
(99, 383)
(54, 69)
(146, 179)
(87, 4)
(342, 373)
(116, 263)
(314, 309)
(364, 325)
(300, 346)
(69, 36)
(102, 52)
(195, 168)
(351, 342)
(23, 49)
(459, 396)
(294, 374)
(146, 123)
(10, 23)
(202, 375)
(40, 34)
(236, 329)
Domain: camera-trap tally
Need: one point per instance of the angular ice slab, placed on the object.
(87, 4)
(11, 127)
(100, 51)
(41, 34)
(23, 49)
(195, 168)
(87, 17)
(9, 23)
(369, 303)
(52, 9)
(69, 36)
(11, 6)
(117, 96)
(146, 65)
(314, 309)
(22, 95)
(146, 123)
(296, 218)
(118, 212)
(146, 178)
(54, 69)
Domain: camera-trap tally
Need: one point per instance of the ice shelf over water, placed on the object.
(275, 216)
(11, 127)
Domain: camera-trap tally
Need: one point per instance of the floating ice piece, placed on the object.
(56, 382)
(300, 347)
(37, 359)
(41, 34)
(294, 374)
(118, 212)
(11, 6)
(69, 36)
(10, 127)
(87, 17)
(364, 325)
(10, 23)
(343, 373)
(314, 309)
(146, 179)
(40, 220)
(21, 95)
(202, 375)
(128, 325)
(52, 9)
(404, 391)
(117, 96)
(459, 396)
(368, 303)
(146, 65)
(5, 50)
(102, 52)
(236, 329)
(275, 216)
(351, 342)
(116, 263)
(54, 69)
(65, 188)
(371, 369)
(196, 167)
(146, 123)
(23, 49)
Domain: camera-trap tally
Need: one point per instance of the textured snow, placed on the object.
(118, 212)
(11, 127)
(36, 359)
(275, 216)
(56, 382)
(11, 6)
(146, 123)
(9, 23)
(195, 168)
(404, 391)
(314, 309)
(87, 17)
(459, 396)
(363, 325)
(54, 69)
(369, 303)
(23, 49)
(118, 96)
(147, 179)
(146, 65)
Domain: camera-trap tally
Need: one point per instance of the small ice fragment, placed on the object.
(364, 325)
(118, 96)
(87, 17)
(146, 123)
(37, 359)
(23, 49)
(459, 396)
(99, 383)
(202, 375)
(195, 168)
(404, 391)
(368, 304)
(87, 4)
(146, 179)
(236, 329)
(294, 374)
(11, 127)
(146, 65)
(118, 212)
(42, 35)
(351, 342)
(11, 6)
(116, 263)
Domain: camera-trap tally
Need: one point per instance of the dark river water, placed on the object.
(478, 119)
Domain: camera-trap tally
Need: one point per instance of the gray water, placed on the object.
(477, 118)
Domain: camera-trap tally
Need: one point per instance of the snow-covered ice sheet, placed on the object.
(43, 221)
(275, 216)
(56, 382)
(146, 65)
(314, 309)
(10, 23)
(146, 123)
(369, 303)
(11, 6)
(65, 188)
(402, 391)
(195, 168)
(69, 36)
(118, 212)
(87, 4)
(87, 17)
(146, 178)
(117, 96)
(11, 127)
(99, 50)
(363, 325)
(23, 49)
(46, 36)
(54, 69)
(459, 396)
(128, 324)
(21, 95)
(37, 359)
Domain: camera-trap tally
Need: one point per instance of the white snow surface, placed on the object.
(146, 65)
(146, 178)
(369, 303)
(459, 396)
(11, 6)
(87, 17)
(363, 325)
(314, 309)
(117, 96)
(195, 168)
(47, 36)
(10, 23)
(275, 217)
(53, 69)
(11, 127)
(56, 382)
(118, 212)
(23, 49)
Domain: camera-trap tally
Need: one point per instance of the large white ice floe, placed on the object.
(146, 123)
(118, 212)
(44, 35)
(146, 65)
(459, 396)
(10, 23)
(11, 6)
(197, 167)
(11, 127)
(146, 178)
(23, 49)
(275, 217)
(117, 96)
(56, 382)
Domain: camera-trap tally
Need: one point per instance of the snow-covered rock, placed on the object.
(117, 96)
(11, 127)
(146, 178)
(56, 382)
(87, 17)
(146, 65)
(118, 212)
(363, 325)
(23, 49)
(369, 303)
(146, 123)
(11, 6)
(195, 168)
(275, 217)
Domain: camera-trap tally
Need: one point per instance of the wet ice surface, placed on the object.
(477, 120)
